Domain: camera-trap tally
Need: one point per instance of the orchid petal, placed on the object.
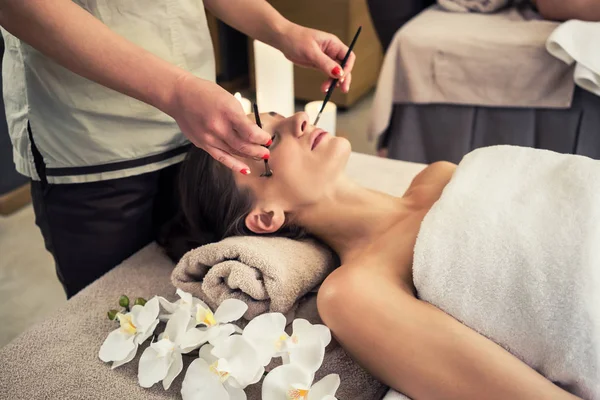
(169, 307)
(264, 332)
(143, 336)
(230, 310)
(117, 346)
(330, 398)
(325, 387)
(206, 354)
(235, 393)
(309, 357)
(211, 332)
(241, 356)
(177, 325)
(186, 297)
(144, 316)
(219, 333)
(191, 340)
(201, 384)
(304, 329)
(129, 357)
(279, 381)
(174, 370)
(154, 365)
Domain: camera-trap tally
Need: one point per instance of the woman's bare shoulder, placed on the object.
(436, 174)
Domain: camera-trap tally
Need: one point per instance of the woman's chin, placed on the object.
(339, 152)
(343, 147)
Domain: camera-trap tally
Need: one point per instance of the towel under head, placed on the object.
(270, 274)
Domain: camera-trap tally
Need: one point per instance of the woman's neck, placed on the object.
(350, 217)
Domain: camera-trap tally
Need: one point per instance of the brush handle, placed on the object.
(335, 81)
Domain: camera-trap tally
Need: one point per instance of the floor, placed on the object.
(29, 289)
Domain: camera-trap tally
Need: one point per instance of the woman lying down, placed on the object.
(480, 282)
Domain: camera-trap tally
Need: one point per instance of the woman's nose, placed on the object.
(300, 124)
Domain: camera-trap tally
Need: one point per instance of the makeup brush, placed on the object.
(335, 81)
(268, 171)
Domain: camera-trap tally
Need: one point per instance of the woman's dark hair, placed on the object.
(212, 207)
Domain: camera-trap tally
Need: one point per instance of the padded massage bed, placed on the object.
(58, 357)
(454, 82)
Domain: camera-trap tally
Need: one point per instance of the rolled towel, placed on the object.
(270, 274)
(511, 249)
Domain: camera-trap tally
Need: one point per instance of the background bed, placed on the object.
(425, 132)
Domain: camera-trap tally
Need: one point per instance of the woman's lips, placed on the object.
(316, 137)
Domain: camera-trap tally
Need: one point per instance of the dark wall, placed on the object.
(389, 15)
(9, 178)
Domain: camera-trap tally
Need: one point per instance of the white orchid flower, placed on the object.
(186, 302)
(163, 360)
(213, 327)
(242, 358)
(136, 327)
(305, 347)
(222, 373)
(292, 382)
(266, 333)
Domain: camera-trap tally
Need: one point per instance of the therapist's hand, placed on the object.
(214, 120)
(320, 50)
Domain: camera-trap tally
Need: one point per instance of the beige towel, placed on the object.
(270, 274)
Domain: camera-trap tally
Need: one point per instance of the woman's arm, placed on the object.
(303, 46)
(418, 349)
(256, 18)
(209, 116)
(73, 38)
(562, 10)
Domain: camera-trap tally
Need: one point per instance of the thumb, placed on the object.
(327, 65)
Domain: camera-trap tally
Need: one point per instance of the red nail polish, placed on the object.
(245, 171)
(270, 142)
(337, 71)
(266, 157)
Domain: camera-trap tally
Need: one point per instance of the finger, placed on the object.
(346, 83)
(326, 63)
(250, 132)
(349, 63)
(228, 160)
(325, 85)
(235, 145)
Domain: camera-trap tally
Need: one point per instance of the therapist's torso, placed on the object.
(86, 132)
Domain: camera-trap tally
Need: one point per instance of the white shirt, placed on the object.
(86, 132)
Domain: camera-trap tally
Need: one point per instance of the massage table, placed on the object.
(58, 357)
(454, 82)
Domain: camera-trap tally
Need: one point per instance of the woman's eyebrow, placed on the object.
(274, 114)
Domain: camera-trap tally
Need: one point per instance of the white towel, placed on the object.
(512, 250)
(577, 42)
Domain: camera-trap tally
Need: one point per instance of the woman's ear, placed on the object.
(263, 221)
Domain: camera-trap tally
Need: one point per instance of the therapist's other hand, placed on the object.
(320, 50)
(214, 120)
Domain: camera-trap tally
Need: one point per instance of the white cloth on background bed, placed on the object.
(496, 60)
(512, 250)
(482, 6)
(576, 42)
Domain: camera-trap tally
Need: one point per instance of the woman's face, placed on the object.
(305, 161)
